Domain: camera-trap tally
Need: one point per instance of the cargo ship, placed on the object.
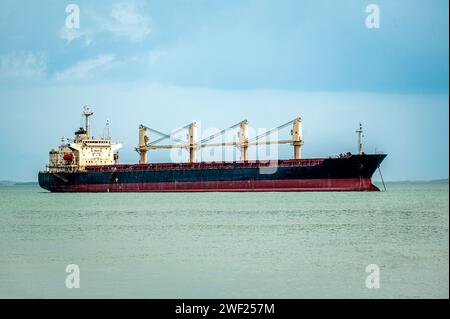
(88, 164)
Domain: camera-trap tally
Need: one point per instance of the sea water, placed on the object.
(226, 245)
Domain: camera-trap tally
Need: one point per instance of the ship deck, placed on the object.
(208, 165)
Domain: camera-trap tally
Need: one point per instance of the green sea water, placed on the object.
(226, 245)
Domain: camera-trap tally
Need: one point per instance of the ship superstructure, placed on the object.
(83, 150)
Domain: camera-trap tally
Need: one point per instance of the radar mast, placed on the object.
(87, 113)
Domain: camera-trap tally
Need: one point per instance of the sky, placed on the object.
(167, 63)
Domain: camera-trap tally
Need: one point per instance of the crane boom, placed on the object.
(193, 145)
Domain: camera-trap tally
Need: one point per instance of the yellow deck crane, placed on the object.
(193, 145)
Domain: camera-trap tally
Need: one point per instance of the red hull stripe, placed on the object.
(344, 184)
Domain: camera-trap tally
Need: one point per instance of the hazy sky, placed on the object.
(166, 63)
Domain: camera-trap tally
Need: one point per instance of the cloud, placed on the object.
(84, 68)
(23, 65)
(72, 34)
(127, 22)
(154, 56)
(123, 21)
(108, 62)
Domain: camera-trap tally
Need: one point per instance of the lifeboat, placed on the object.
(68, 156)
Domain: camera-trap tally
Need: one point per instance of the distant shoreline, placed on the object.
(442, 180)
(12, 183)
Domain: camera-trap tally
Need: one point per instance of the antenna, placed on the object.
(360, 139)
(87, 113)
(106, 133)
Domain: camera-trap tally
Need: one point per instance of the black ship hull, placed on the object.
(352, 173)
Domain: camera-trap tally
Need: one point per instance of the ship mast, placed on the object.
(360, 139)
(87, 113)
(297, 137)
(106, 133)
